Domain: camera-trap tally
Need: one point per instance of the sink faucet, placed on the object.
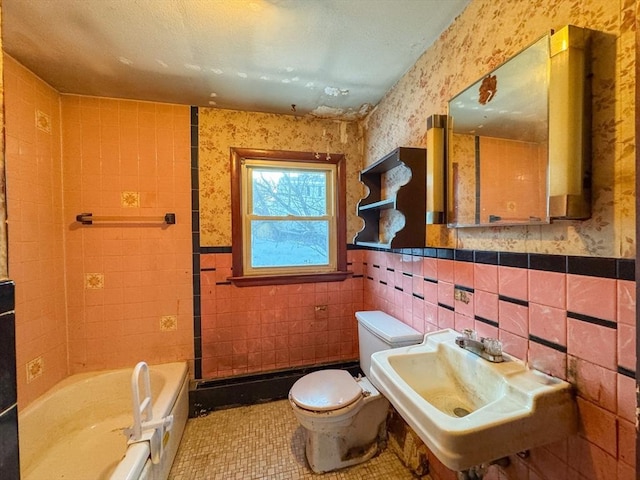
(488, 348)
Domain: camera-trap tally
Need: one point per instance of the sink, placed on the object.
(467, 410)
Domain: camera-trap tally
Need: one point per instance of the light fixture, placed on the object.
(569, 126)
(436, 128)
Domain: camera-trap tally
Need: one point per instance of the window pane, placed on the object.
(288, 192)
(289, 243)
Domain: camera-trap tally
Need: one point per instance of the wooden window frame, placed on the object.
(238, 155)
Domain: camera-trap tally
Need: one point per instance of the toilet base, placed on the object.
(352, 444)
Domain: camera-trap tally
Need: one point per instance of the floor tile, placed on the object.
(262, 442)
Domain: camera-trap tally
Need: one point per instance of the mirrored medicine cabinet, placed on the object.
(518, 139)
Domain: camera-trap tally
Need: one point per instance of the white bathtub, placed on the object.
(74, 431)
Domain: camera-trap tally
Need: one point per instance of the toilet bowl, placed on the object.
(344, 418)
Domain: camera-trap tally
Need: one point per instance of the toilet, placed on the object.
(344, 417)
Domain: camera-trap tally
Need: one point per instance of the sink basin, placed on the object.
(467, 410)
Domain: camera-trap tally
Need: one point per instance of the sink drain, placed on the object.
(461, 412)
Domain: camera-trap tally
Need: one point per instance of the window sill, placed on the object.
(259, 280)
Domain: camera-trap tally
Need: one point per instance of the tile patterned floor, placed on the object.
(262, 442)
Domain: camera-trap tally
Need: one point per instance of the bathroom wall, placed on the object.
(254, 329)
(573, 316)
(129, 286)
(486, 34)
(105, 295)
(35, 218)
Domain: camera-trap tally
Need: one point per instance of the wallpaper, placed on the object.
(219, 130)
(486, 34)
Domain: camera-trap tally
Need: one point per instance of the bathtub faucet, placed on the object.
(488, 348)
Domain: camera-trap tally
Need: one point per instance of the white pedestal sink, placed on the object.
(467, 410)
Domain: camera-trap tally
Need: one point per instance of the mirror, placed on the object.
(507, 154)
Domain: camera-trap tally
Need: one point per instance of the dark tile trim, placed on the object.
(389, 269)
(548, 263)
(489, 258)
(430, 252)
(195, 242)
(7, 296)
(215, 249)
(509, 259)
(399, 288)
(430, 280)
(446, 253)
(517, 301)
(417, 295)
(357, 276)
(253, 388)
(547, 343)
(626, 372)
(626, 269)
(369, 278)
(376, 266)
(407, 274)
(448, 307)
(464, 255)
(223, 283)
(487, 321)
(593, 320)
(616, 268)
(461, 287)
(592, 266)
(382, 282)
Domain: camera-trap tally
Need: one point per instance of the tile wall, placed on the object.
(100, 296)
(257, 329)
(35, 229)
(129, 285)
(572, 317)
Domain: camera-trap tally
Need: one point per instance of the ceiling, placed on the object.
(328, 58)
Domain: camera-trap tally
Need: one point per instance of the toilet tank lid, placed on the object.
(388, 328)
(325, 390)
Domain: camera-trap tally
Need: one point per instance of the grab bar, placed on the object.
(89, 218)
(145, 428)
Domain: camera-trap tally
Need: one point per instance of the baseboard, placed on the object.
(208, 395)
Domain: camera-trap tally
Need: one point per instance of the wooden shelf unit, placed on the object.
(410, 200)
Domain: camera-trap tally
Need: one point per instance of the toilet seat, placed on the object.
(325, 390)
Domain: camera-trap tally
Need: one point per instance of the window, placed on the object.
(288, 214)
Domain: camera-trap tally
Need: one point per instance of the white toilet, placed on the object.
(344, 417)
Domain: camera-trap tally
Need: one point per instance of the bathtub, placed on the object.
(74, 431)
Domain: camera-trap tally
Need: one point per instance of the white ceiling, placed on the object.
(330, 58)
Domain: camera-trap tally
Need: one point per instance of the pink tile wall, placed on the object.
(256, 329)
(35, 219)
(129, 286)
(535, 305)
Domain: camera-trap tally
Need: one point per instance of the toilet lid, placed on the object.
(325, 390)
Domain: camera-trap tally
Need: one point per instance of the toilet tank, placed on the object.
(379, 331)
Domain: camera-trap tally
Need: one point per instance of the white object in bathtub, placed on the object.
(145, 428)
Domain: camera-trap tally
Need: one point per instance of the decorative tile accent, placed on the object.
(130, 199)
(168, 323)
(43, 121)
(94, 281)
(34, 369)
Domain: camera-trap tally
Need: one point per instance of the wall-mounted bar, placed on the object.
(89, 219)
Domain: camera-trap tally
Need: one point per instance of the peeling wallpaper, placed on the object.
(219, 130)
(486, 34)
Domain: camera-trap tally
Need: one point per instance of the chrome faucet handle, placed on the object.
(492, 346)
(470, 333)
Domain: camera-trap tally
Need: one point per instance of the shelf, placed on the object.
(374, 244)
(410, 199)
(385, 204)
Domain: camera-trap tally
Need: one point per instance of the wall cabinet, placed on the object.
(394, 211)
